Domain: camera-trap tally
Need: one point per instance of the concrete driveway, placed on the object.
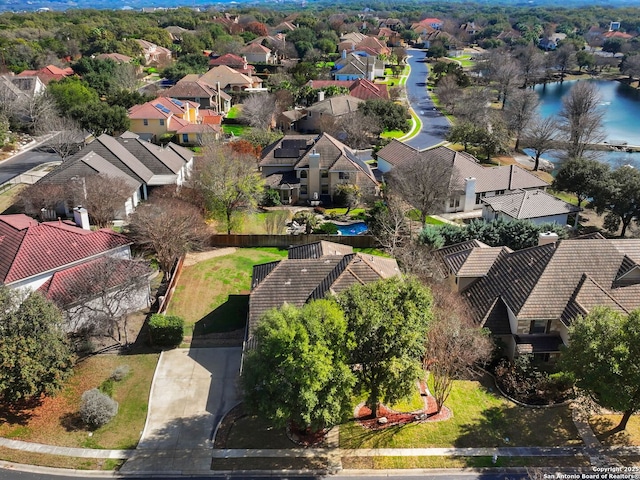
(192, 390)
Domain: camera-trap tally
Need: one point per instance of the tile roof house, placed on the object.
(234, 61)
(166, 116)
(141, 164)
(116, 57)
(229, 79)
(257, 53)
(311, 272)
(529, 298)
(56, 258)
(352, 66)
(305, 168)
(154, 54)
(470, 181)
(534, 205)
(48, 73)
(333, 107)
(200, 92)
(360, 88)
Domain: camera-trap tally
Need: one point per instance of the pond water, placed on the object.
(352, 229)
(620, 105)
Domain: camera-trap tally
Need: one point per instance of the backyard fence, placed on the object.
(285, 241)
(166, 299)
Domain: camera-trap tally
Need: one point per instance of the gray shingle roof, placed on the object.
(523, 204)
(336, 106)
(319, 249)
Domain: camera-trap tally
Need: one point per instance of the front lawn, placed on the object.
(392, 134)
(9, 196)
(630, 436)
(234, 112)
(56, 420)
(480, 419)
(212, 295)
(237, 130)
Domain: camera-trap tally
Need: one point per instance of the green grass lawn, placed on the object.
(354, 212)
(212, 296)
(414, 215)
(237, 130)
(57, 421)
(460, 462)
(480, 419)
(565, 196)
(392, 134)
(9, 196)
(234, 112)
(465, 61)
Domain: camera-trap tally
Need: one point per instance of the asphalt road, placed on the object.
(23, 162)
(434, 125)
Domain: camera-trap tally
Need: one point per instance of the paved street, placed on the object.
(23, 162)
(434, 125)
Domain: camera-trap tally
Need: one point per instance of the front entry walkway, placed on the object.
(192, 390)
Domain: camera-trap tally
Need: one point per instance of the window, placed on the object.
(344, 175)
(478, 198)
(324, 174)
(303, 189)
(499, 192)
(185, 138)
(538, 326)
(303, 174)
(325, 190)
(162, 122)
(541, 357)
(454, 202)
(145, 122)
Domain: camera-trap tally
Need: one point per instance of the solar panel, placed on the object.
(177, 102)
(286, 153)
(162, 108)
(294, 144)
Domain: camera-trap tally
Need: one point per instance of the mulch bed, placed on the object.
(364, 415)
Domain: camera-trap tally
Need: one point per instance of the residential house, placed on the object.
(20, 88)
(257, 53)
(360, 88)
(617, 34)
(154, 54)
(427, 39)
(201, 93)
(306, 168)
(176, 32)
(239, 64)
(230, 80)
(311, 272)
(368, 46)
(470, 182)
(140, 164)
(59, 259)
(551, 42)
(115, 57)
(534, 205)
(48, 73)
(328, 108)
(352, 67)
(391, 23)
(390, 37)
(432, 22)
(283, 27)
(530, 297)
(287, 121)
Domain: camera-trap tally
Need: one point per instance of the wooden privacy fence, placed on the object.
(285, 241)
(164, 301)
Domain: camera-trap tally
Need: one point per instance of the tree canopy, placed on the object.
(603, 356)
(35, 354)
(298, 370)
(387, 322)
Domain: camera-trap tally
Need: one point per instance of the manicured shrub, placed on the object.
(166, 330)
(97, 408)
(271, 198)
(327, 228)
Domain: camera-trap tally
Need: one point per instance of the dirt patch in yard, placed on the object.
(196, 257)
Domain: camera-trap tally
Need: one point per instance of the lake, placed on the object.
(620, 104)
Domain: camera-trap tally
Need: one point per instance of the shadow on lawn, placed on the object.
(229, 316)
(601, 425)
(19, 413)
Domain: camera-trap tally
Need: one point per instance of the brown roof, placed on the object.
(559, 281)
(301, 279)
(524, 204)
(337, 105)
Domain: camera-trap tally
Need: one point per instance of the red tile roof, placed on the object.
(28, 248)
(66, 286)
(366, 90)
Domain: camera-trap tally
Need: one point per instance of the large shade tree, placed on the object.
(603, 356)
(387, 323)
(298, 370)
(35, 355)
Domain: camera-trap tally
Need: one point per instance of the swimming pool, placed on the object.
(353, 229)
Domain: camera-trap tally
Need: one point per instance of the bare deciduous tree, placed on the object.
(473, 106)
(565, 59)
(356, 129)
(448, 92)
(425, 184)
(540, 135)
(168, 228)
(531, 61)
(104, 197)
(581, 119)
(110, 289)
(68, 137)
(389, 225)
(454, 343)
(43, 198)
(520, 111)
(258, 110)
(631, 66)
(504, 72)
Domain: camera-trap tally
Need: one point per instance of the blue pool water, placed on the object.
(353, 229)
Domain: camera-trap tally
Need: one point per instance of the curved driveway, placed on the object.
(435, 126)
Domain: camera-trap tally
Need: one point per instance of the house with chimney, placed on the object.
(63, 260)
(529, 298)
(327, 108)
(306, 168)
(202, 93)
(470, 182)
(352, 66)
(534, 205)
